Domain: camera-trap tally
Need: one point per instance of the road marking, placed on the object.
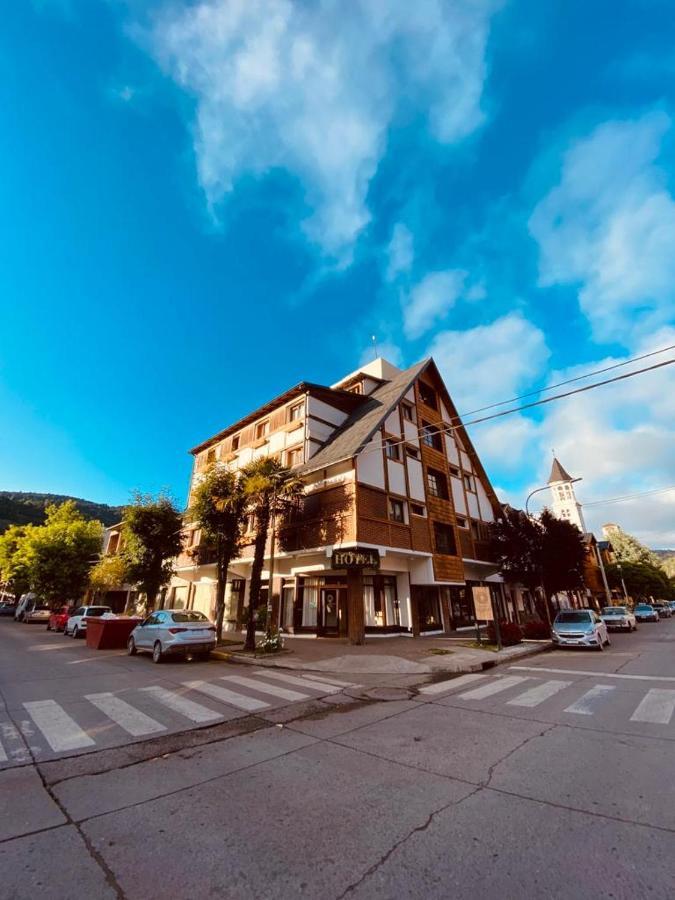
(584, 705)
(593, 674)
(75, 662)
(450, 684)
(50, 647)
(293, 679)
(129, 718)
(3, 755)
(538, 694)
(195, 712)
(656, 706)
(487, 690)
(221, 693)
(330, 679)
(282, 693)
(59, 730)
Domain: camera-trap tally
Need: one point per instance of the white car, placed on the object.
(173, 631)
(36, 611)
(24, 600)
(619, 617)
(77, 623)
(579, 628)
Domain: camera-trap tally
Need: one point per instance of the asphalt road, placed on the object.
(552, 778)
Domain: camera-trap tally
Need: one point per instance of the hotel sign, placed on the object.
(356, 558)
(482, 602)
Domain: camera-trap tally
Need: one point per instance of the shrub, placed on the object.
(272, 643)
(536, 631)
(510, 632)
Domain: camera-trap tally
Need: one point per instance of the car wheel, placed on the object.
(131, 647)
(49, 627)
(205, 656)
(157, 652)
(76, 632)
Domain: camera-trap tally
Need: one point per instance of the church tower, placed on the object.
(565, 504)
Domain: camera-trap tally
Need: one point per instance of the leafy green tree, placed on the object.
(667, 563)
(108, 573)
(562, 554)
(151, 529)
(14, 567)
(628, 548)
(270, 489)
(517, 542)
(642, 580)
(61, 553)
(218, 509)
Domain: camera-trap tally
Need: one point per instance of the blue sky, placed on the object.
(205, 203)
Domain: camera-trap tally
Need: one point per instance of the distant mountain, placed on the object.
(667, 561)
(20, 508)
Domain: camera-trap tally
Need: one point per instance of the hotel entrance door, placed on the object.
(328, 619)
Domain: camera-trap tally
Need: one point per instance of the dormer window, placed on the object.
(428, 395)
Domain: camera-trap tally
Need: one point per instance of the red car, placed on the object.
(58, 619)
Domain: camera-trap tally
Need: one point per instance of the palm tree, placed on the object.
(269, 489)
(218, 509)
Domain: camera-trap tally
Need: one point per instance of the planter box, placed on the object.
(109, 634)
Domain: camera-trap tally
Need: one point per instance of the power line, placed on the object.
(628, 497)
(442, 428)
(551, 387)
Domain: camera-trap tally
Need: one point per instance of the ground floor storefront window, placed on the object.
(427, 600)
(381, 603)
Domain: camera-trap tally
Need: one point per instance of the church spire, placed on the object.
(558, 473)
(564, 502)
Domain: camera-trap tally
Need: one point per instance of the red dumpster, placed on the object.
(109, 633)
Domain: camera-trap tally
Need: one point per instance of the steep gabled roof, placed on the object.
(356, 431)
(558, 473)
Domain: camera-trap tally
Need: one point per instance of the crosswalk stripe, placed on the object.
(132, 720)
(584, 706)
(59, 730)
(329, 679)
(657, 706)
(538, 694)
(487, 690)
(221, 693)
(3, 755)
(282, 693)
(450, 684)
(195, 712)
(293, 679)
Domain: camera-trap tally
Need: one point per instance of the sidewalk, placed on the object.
(384, 656)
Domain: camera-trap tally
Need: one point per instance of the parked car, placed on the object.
(671, 604)
(59, 617)
(173, 631)
(36, 611)
(580, 628)
(644, 612)
(24, 600)
(619, 617)
(7, 607)
(663, 609)
(76, 625)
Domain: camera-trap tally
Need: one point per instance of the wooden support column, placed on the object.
(356, 612)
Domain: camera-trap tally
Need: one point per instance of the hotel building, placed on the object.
(391, 475)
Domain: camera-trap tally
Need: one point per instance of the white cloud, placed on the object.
(490, 363)
(430, 299)
(619, 438)
(609, 226)
(312, 88)
(400, 252)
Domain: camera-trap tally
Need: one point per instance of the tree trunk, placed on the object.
(262, 526)
(220, 597)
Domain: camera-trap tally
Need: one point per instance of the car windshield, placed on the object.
(189, 617)
(97, 610)
(614, 611)
(574, 617)
(643, 606)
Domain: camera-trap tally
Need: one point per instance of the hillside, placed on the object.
(19, 508)
(667, 561)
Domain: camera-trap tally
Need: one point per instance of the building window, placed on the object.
(250, 523)
(392, 449)
(294, 457)
(468, 482)
(408, 412)
(413, 452)
(295, 412)
(417, 509)
(461, 522)
(437, 484)
(444, 539)
(235, 443)
(428, 395)
(454, 471)
(396, 510)
(475, 530)
(431, 436)
(262, 429)
(210, 456)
